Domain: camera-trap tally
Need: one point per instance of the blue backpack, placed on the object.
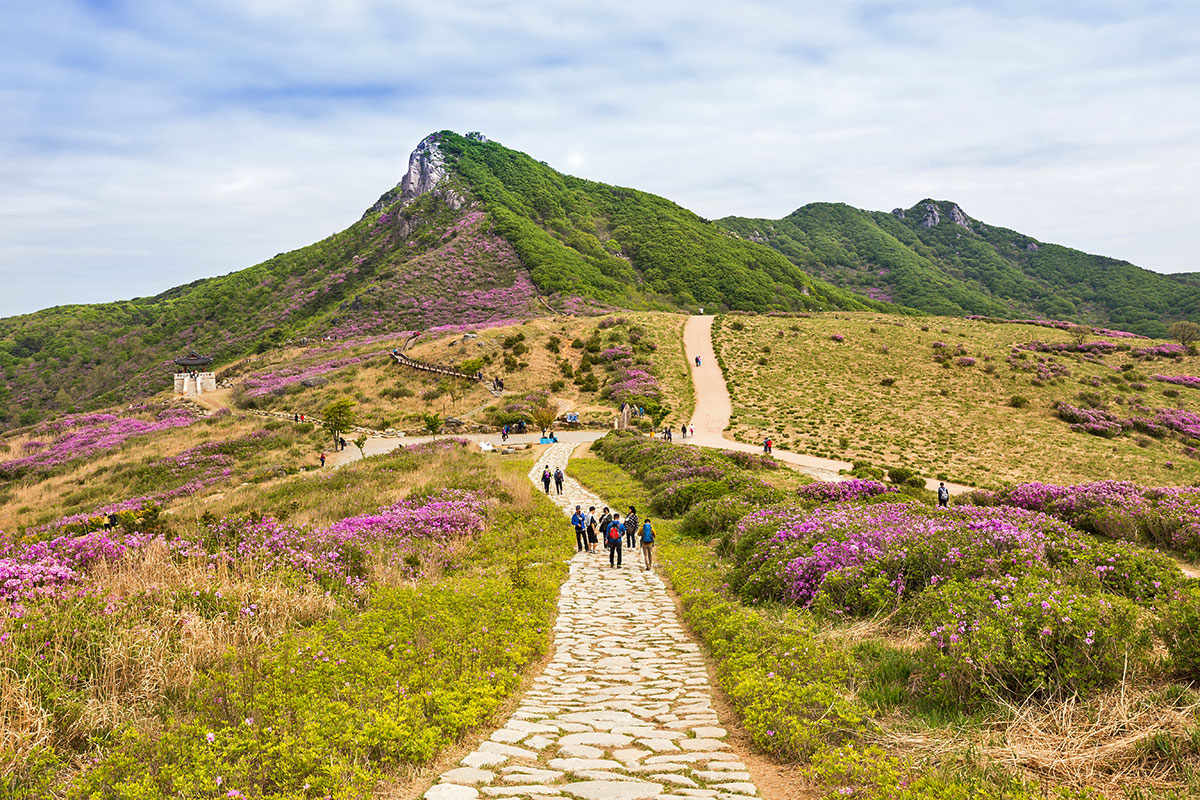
(647, 533)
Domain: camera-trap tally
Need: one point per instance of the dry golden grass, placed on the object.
(819, 396)
(1111, 742)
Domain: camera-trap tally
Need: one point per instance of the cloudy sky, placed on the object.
(147, 144)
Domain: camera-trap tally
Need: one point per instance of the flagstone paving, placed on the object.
(623, 711)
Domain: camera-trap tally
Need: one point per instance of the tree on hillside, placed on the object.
(1184, 332)
(433, 422)
(361, 444)
(338, 418)
(543, 415)
(1079, 333)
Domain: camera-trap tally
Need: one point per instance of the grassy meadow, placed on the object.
(866, 387)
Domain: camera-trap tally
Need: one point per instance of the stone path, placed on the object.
(623, 711)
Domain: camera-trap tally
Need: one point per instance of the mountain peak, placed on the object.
(426, 172)
(930, 212)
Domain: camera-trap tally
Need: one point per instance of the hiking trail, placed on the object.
(623, 710)
(714, 408)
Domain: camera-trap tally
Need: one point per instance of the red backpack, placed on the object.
(614, 532)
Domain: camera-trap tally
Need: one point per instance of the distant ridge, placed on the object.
(936, 258)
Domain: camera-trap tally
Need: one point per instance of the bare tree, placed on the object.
(1184, 332)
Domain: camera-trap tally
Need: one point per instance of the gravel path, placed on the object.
(623, 711)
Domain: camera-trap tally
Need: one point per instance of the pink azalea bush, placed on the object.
(1011, 600)
(84, 436)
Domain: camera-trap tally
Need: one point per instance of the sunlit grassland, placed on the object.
(789, 379)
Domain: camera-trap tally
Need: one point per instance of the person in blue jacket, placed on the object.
(580, 533)
(648, 543)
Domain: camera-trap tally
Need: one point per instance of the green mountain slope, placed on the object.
(935, 258)
(473, 235)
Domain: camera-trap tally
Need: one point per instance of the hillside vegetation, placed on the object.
(959, 265)
(891, 650)
(966, 400)
(304, 636)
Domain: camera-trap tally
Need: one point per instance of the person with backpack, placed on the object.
(558, 480)
(546, 478)
(648, 544)
(613, 539)
(605, 518)
(504, 434)
(631, 527)
(578, 520)
(589, 523)
(943, 496)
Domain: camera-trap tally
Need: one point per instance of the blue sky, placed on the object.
(146, 145)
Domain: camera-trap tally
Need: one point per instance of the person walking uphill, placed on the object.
(546, 478)
(579, 521)
(648, 544)
(943, 496)
(631, 527)
(589, 524)
(558, 480)
(613, 539)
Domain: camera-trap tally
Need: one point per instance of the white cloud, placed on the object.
(149, 145)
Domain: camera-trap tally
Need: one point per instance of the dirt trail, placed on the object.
(713, 408)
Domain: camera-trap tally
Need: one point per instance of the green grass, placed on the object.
(819, 396)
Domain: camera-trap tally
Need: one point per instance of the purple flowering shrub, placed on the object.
(1160, 516)
(843, 491)
(77, 437)
(935, 567)
(1056, 324)
(1189, 381)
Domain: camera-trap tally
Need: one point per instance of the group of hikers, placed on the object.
(616, 535)
(557, 477)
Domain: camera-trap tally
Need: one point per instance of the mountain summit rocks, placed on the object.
(426, 172)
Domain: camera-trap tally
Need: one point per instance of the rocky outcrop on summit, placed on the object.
(932, 217)
(426, 173)
(426, 170)
(959, 218)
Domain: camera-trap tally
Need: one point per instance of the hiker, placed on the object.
(648, 543)
(342, 441)
(579, 520)
(558, 480)
(589, 523)
(322, 458)
(553, 438)
(605, 518)
(683, 431)
(546, 478)
(295, 417)
(943, 496)
(631, 526)
(504, 434)
(766, 445)
(693, 431)
(770, 445)
(697, 361)
(613, 539)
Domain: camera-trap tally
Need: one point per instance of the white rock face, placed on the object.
(959, 218)
(427, 169)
